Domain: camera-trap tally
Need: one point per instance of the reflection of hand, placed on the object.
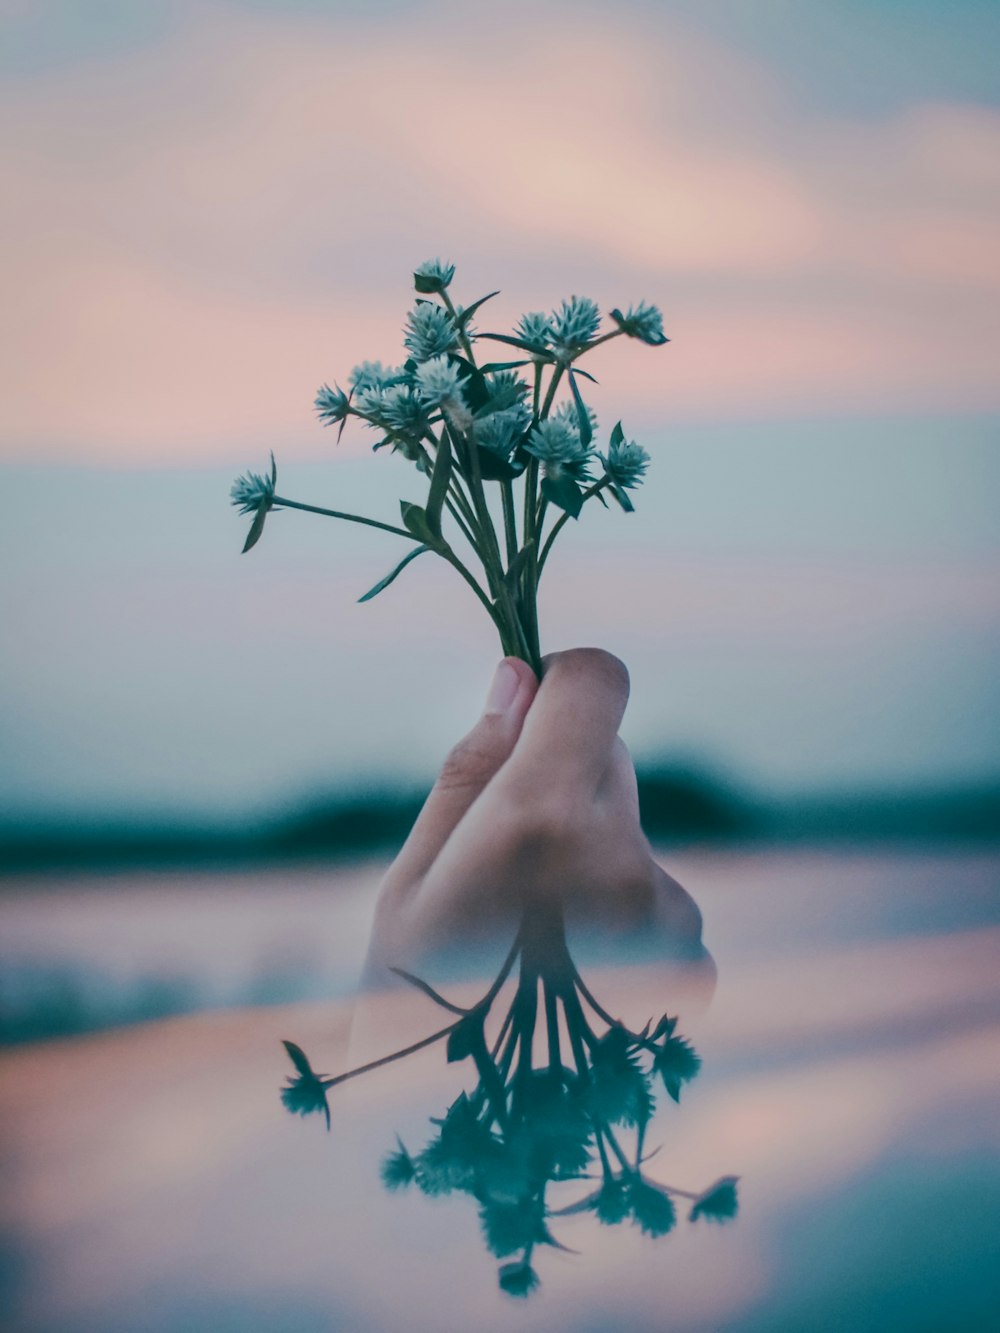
(538, 801)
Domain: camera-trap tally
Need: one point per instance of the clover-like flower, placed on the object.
(501, 432)
(373, 375)
(626, 463)
(433, 276)
(517, 1278)
(642, 321)
(430, 331)
(569, 413)
(652, 1208)
(718, 1203)
(251, 491)
(535, 328)
(369, 402)
(439, 384)
(305, 1093)
(332, 405)
(505, 388)
(557, 445)
(398, 1168)
(403, 411)
(574, 324)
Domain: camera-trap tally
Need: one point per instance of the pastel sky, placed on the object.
(214, 207)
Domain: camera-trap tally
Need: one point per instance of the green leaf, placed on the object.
(565, 493)
(617, 435)
(256, 527)
(466, 1037)
(384, 583)
(415, 521)
(426, 285)
(582, 415)
(622, 497)
(477, 392)
(494, 366)
(439, 484)
(494, 468)
(586, 375)
(469, 311)
(534, 348)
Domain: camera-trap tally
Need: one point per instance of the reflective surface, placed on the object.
(153, 1180)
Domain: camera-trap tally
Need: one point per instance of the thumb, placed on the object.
(468, 768)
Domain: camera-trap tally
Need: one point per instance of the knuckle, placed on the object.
(473, 761)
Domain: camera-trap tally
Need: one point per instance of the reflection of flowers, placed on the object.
(718, 1203)
(306, 1093)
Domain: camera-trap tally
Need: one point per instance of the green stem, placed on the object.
(510, 523)
(279, 501)
(463, 337)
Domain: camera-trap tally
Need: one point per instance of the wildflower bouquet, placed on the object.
(505, 459)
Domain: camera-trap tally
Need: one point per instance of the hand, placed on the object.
(537, 803)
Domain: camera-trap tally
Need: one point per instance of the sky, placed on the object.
(217, 207)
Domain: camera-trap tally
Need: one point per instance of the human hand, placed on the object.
(537, 804)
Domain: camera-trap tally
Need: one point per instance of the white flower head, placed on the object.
(567, 411)
(439, 384)
(535, 328)
(574, 324)
(505, 388)
(332, 405)
(502, 431)
(373, 375)
(433, 275)
(626, 463)
(642, 321)
(402, 411)
(557, 445)
(252, 490)
(430, 331)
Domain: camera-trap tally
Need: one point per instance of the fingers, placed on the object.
(469, 767)
(567, 741)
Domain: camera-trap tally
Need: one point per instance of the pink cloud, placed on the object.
(203, 232)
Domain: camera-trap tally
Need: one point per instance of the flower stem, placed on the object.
(280, 502)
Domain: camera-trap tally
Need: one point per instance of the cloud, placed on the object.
(205, 229)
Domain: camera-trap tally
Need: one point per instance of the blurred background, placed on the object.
(213, 208)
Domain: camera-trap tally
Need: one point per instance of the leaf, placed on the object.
(474, 384)
(586, 375)
(565, 493)
(439, 484)
(466, 1037)
(469, 311)
(494, 468)
(534, 348)
(384, 583)
(298, 1058)
(617, 435)
(494, 366)
(622, 497)
(415, 521)
(256, 527)
(582, 415)
(426, 285)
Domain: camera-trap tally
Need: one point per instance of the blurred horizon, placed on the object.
(216, 207)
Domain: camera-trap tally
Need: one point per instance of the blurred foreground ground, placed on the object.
(153, 1182)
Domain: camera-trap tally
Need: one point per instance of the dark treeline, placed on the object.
(678, 805)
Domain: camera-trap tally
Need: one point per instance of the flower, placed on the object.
(677, 1062)
(430, 331)
(251, 491)
(643, 322)
(517, 1278)
(306, 1093)
(574, 324)
(652, 1208)
(626, 463)
(332, 404)
(501, 432)
(373, 375)
(568, 412)
(402, 411)
(534, 328)
(718, 1203)
(556, 444)
(369, 402)
(504, 389)
(398, 1168)
(439, 384)
(433, 276)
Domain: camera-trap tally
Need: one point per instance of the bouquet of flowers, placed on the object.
(506, 449)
